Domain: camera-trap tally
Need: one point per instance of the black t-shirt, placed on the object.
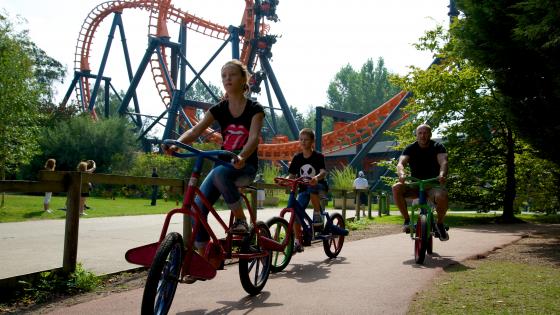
(235, 130)
(423, 162)
(308, 167)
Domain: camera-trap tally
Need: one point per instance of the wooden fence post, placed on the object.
(357, 203)
(344, 204)
(70, 256)
(369, 204)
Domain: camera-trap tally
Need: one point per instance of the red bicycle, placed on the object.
(332, 233)
(172, 258)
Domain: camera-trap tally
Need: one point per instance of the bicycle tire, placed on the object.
(333, 244)
(279, 229)
(163, 275)
(254, 273)
(430, 243)
(421, 239)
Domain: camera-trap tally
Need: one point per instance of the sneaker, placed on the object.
(298, 247)
(406, 227)
(49, 211)
(240, 227)
(442, 233)
(188, 279)
(83, 214)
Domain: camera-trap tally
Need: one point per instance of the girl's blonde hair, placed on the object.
(82, 167)
(50, 164)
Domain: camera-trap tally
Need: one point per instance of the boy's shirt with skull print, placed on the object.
(308, 167)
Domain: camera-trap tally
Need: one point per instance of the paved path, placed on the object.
(33, 246)
(371, 276)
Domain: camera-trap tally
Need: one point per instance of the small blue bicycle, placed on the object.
(332, 232)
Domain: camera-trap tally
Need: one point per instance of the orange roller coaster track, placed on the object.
(352, 134)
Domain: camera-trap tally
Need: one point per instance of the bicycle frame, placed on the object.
(423, 205)
(193, 264)
(296, 209)
(421, 232)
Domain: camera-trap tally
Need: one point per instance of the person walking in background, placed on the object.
(90, 169)
(154, 187)
(260, 192)
(49, 166)
(360, 184)
(86, 167)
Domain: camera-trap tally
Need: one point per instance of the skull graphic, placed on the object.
(307, 171)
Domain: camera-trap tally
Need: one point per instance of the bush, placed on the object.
(270, 172)
(343, 178)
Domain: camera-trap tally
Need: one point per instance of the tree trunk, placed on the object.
(509, 193)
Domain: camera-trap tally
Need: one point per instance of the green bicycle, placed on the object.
(425, 228)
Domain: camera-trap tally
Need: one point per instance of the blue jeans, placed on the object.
(223, 181)
(304, 195)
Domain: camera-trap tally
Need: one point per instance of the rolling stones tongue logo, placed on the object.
(235, 137)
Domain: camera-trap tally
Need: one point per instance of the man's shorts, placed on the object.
(411, 192)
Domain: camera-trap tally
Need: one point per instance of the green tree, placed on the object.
(520, 42)
(26, 78)
(110, 142)
(19, 100)
(461, 97)
(363, 91)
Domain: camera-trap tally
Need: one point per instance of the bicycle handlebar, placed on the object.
(290, 182)
(211, 155)
(417, 180)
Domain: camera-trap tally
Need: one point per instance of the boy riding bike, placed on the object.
(311, 164)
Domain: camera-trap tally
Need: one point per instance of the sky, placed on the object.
(316, 39)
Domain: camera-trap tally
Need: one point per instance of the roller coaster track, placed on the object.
(352, 134)
(161, 12)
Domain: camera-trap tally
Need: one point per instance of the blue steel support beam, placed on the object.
(198, 74)
(116, 21)
(269, 99)
(453, 12)
(234, 33)
(129, 70)
(70, 88)
(153, 42)
(182, 52)
(172, 115)
(265, 64)
(318, 128)
(107, 99)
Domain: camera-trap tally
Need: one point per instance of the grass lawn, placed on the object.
(492, 287)
(22, 207)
